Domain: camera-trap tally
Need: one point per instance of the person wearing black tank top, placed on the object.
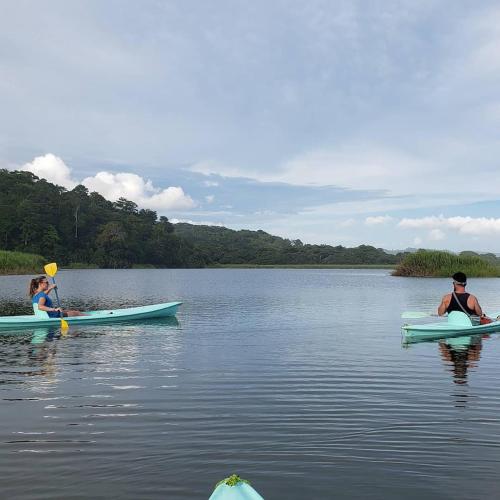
(459, 300)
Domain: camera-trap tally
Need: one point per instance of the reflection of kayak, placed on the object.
(457, 324)
(234, 488)
(107, 316)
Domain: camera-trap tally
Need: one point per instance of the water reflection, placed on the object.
(33, 352)
(460, 354)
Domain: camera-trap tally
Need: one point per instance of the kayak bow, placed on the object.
(234, 488)
(102, 316)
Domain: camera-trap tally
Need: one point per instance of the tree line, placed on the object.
(81, 227)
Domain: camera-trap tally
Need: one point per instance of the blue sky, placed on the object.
(337, 122)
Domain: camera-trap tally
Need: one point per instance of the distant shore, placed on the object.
(302, 266)
(38, 269)
(424, 263)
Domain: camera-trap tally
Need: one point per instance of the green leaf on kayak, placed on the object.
(233, 480)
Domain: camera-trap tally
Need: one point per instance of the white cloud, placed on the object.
(355, 166)
(423, 222)
(51, 168)
(464, 225)
(135, 188)
(171, 198)
(417, 241)
(347, 223)
(113, 185)
(377, 220)
(436, 235)
(210, 198)
(210, 183)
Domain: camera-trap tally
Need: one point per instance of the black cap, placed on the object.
(460, 278)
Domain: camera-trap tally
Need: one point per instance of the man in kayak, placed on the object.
(459, 299)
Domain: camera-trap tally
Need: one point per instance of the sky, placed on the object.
(329, 121)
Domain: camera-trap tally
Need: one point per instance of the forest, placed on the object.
(81, 228)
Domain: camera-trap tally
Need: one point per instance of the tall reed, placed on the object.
(434, 263)
(20, 263)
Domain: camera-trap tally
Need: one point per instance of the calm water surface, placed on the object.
(295, 379)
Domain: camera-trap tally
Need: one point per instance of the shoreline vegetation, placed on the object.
(302, 266)
(438, 264)
(20, 263)
(421, 264)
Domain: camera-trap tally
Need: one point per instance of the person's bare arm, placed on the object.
(43, 307)
(445, 302)
(474, 305)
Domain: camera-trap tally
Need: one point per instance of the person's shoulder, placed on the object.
(447, 296)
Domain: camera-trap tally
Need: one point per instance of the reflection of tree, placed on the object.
(461, 353)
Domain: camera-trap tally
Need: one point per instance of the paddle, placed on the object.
(51, 270)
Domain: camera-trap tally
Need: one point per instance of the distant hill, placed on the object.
(220, 245)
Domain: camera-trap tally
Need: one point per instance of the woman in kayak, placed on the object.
(39, 292)
(459, 300)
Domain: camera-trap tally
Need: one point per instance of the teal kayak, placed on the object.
(103, 316)
(457, 324)
(234, 488)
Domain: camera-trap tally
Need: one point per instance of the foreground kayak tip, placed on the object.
(234, 488)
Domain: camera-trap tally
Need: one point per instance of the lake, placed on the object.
(295, 379)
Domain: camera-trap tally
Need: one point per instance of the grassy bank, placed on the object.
(20, 263)
(432, 263)
(302, 266)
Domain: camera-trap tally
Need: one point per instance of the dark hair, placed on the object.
(460, 278)
(34, 284)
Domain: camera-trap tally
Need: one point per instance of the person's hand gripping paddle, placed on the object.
(51, 270)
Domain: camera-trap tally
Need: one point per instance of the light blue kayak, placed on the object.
(234, 488)
(455, 325)
(41, 318)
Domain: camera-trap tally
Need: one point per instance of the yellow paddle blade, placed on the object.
(50, 269)
(64, 324)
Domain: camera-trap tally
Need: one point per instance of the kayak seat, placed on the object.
(38, 312)
(459, 318)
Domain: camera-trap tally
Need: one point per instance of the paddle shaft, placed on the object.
(57, 295)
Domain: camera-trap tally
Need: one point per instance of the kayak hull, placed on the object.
(91, 317)
(445, 329)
